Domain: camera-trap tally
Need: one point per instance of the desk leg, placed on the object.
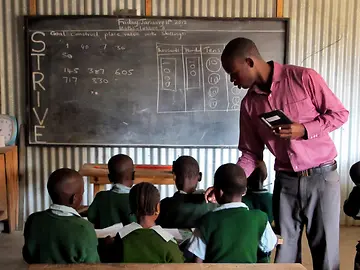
(17, 194)
(11, 184)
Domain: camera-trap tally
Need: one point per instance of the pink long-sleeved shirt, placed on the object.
(305, 98)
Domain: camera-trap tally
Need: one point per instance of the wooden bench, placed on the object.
(185, 266)
(155, 174)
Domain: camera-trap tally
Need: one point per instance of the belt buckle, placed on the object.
(304, 173)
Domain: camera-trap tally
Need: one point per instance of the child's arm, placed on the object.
(198, 260)
(89, 244)
(92, 211)
(197, 246)
(174, 254)
(25, 250)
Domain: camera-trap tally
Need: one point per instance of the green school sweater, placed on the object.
(109, 208)
(232, 235)
(147, 246)
(183, 210)
(50, 238)
(261, 200)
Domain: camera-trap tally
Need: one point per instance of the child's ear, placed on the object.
(244, 192)
(174, 177)
(76, 200)
(200, 176)
(110, 178)
(133, 176)
(157, 212)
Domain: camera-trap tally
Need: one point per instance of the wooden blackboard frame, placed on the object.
(285, 20)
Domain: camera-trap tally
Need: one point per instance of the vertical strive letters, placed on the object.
(38, 48)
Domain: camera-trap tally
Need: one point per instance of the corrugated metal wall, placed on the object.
(323, 36)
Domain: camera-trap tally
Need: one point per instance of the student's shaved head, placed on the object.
(186, 171)
(65, 187)
(231, 180)
(121, 168)
(355, 173)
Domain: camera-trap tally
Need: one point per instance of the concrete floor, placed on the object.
(11, 245)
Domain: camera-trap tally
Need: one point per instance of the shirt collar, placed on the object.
(198, 191)
(277, 74)
(135, 226)
(121, 189)
(231, 205)
(63, 210)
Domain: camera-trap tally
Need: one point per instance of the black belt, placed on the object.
(329, 167)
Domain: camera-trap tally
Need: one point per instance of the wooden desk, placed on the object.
(155, 174)
(9, 187)
(170, 266)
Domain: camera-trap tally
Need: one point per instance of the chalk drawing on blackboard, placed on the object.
(236, 90)
(214, 78)
(236, 100)
(213, 91)
(213, 103)
(213, 64)
(168, 74)
(193, 72)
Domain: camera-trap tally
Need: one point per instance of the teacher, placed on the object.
(307, 186)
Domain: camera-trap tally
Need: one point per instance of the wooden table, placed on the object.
(9, 187)
(170, 266)
(155, 174)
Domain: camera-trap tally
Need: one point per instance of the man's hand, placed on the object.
(293, 131)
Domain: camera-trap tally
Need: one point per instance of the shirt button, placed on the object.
(290, 154)
(296, 167)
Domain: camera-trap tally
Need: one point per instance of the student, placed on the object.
(111, 207)
(231, 233)
(188, 204)
(352, 204)
(257, 197)
(59, 234)
(143, 242)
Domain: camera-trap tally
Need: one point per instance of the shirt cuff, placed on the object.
(268, 239)
(313, 129)
(196, 245)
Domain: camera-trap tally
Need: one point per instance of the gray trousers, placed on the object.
(313, 202)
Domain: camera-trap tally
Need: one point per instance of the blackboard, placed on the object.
(155, 81)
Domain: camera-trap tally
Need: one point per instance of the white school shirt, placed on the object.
(197, 245)
(158, 229)
(121, 189)
(63, 210)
